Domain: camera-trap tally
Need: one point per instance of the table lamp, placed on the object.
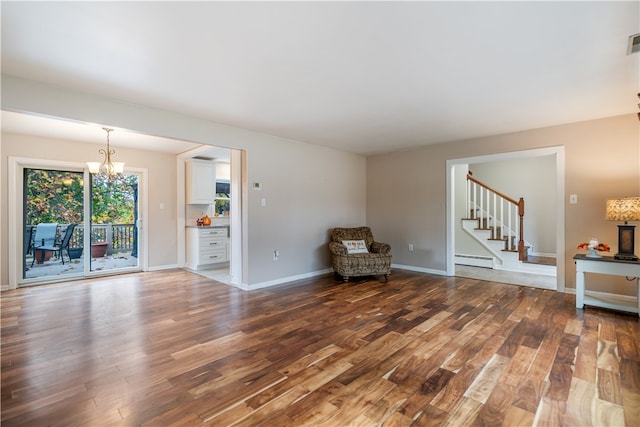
(627, 209)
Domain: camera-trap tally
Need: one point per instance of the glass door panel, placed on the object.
(114, 217)
(53, 226)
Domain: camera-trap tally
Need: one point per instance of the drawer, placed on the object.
(213, 232)
(209, 256)
(212, 243)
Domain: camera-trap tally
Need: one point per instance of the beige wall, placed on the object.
(406, 194)
(308, 189)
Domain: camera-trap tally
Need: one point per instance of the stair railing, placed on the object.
(491, 204)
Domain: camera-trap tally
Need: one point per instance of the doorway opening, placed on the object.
(200, 244)
(454, 203)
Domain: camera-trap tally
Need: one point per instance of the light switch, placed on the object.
(573, 199)
(263, 202)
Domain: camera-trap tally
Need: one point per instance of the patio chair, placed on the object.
(26, 244)
(64, 244)
(44, 239)
(28, 240)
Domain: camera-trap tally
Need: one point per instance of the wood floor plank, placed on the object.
(587, 356)
(580, 409)
(609, 386)
(495, 409)
(175, 348)
(487, 379)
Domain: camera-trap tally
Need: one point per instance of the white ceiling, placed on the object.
(87, 132)
(365, 77)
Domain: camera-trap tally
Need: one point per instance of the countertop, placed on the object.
(208, 226)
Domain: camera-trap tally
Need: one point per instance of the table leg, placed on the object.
(579, 289)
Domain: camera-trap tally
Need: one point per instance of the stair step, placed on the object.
(542, 260)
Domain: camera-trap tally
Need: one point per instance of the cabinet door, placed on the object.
(201, 182)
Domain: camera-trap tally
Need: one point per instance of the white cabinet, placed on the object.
(206, 246)
(200, 182)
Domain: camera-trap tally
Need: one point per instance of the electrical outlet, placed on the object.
(410, 247)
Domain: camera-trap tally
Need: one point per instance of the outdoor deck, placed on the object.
(54, 266)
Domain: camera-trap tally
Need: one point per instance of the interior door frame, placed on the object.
(238, 267)
(558, 152)
(15, 213)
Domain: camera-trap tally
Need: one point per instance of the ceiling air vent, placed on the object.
(634, 44)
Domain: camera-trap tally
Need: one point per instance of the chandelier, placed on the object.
(107, 168)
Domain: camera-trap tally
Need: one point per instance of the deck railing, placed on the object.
(121, 237)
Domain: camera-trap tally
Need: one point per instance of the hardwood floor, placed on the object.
(175, 348)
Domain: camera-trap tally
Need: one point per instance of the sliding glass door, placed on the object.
(76, 224)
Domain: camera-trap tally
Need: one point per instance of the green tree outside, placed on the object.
(53, 196)
(57, 196)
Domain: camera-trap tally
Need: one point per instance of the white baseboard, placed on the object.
(474, 260)
(327, 271)
(419, 269)
(605, 295)
(543, 270)
(163, 267)
(282, 280)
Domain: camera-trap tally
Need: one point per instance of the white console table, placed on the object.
(605, 265)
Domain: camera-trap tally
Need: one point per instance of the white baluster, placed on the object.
(495, 223)
(481, 207)
(502, 217)
(509, 219)
(475, 199)
(468, 198)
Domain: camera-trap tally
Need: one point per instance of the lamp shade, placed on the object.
(94, 167)
(627, 209)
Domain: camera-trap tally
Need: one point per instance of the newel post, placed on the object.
(521, 248)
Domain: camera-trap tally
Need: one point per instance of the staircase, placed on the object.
(496, 222)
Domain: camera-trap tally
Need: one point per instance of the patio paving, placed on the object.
(54, 266)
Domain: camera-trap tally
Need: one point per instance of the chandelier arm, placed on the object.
(107, 168)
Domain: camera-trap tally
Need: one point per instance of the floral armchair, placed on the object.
(354, 252)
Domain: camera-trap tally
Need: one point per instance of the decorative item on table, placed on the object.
(626, 209)
(199, 222)
(593, 247)
(206, 221)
